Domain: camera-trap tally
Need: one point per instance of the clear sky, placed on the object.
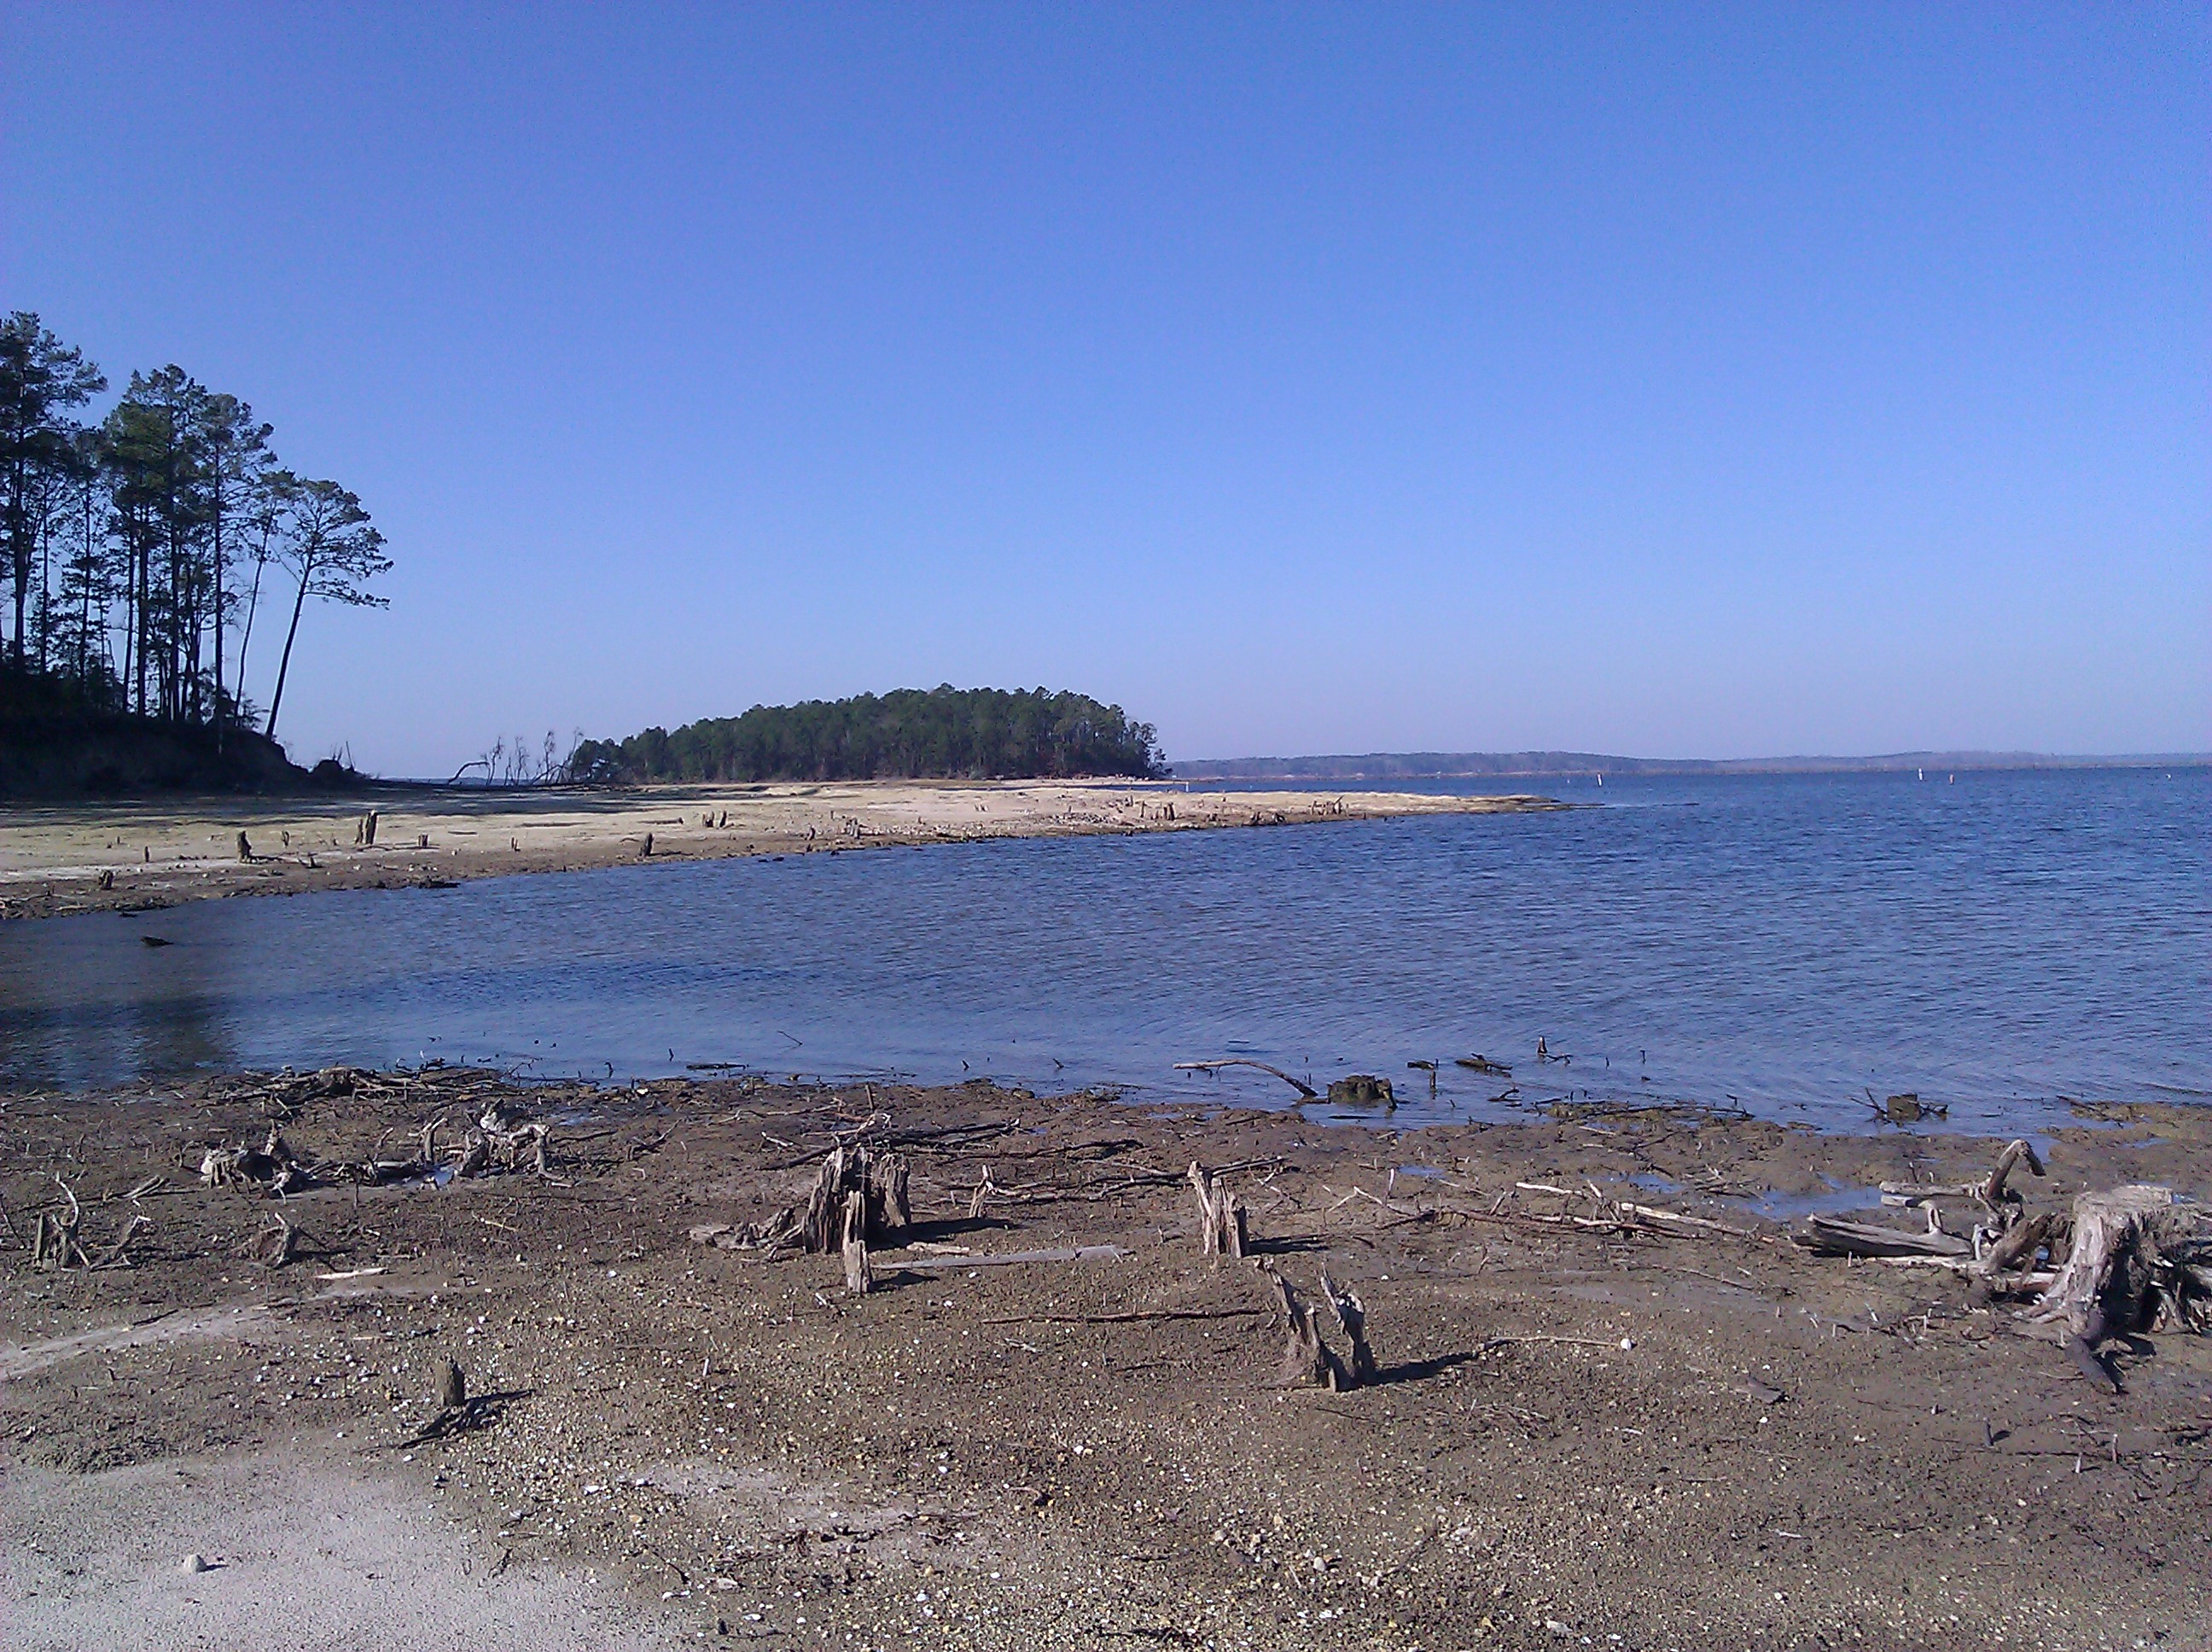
(1673, 381)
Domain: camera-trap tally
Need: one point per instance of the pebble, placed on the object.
(191, 1564)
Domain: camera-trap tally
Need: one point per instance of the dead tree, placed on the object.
(1304, 1090)
(1220, 1215)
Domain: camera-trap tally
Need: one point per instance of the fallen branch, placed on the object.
(1132, 1317)
(1831, 1236)
(1298, 1084)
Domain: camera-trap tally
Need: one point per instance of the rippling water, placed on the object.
(1784, 942)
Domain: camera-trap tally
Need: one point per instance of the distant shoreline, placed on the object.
(1493, 765)
(64, 858)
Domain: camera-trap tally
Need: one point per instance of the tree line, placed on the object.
(944, 732)
(138, 546)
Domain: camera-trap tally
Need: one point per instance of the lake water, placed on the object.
(1786, 943)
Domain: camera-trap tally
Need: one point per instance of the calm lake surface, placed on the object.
(1997, 945)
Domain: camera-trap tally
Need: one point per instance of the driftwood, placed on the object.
(2017, 1251)
(1483, 1064)
(1013, 1258)
(2136, 1260)
(1992, 1191)
(1831, 1236)
(1220, 1215)
(1298, 1084)
(2002, 1218)
(2127, 1259)
(57, 1238)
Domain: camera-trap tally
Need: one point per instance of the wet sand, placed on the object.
(85, 857)
(1590, 1426)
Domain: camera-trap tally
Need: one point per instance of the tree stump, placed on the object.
(1362, 1089)
(880, 1180)
(1220, 1215)
(857, 1279)
(1350, 1319)
(453, 1391)
(1308, 1362)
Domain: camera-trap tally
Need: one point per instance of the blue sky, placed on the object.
(1685, 381)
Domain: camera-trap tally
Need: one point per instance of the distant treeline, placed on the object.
(1465, 765)
(912, 734)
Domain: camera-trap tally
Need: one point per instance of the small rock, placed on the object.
(192, 1563)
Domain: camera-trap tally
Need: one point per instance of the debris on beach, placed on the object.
(2121, 1259)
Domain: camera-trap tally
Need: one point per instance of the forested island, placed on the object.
(943, 732)
(139, 547)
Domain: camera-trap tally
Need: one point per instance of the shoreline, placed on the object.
(1054, 1421)
(61, 859)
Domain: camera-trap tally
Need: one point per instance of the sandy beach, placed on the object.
(1613, 1404)
(88, 857)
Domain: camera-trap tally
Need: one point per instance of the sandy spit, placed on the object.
(88, 857)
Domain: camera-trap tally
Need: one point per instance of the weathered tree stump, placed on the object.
(453, 1389)
(880, 1181)
(1220, 1215)
(1350, 1319)
(857, 1279)
(1362, 1089)
(1308, 1362)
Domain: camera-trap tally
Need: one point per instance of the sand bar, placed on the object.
(82, 857)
